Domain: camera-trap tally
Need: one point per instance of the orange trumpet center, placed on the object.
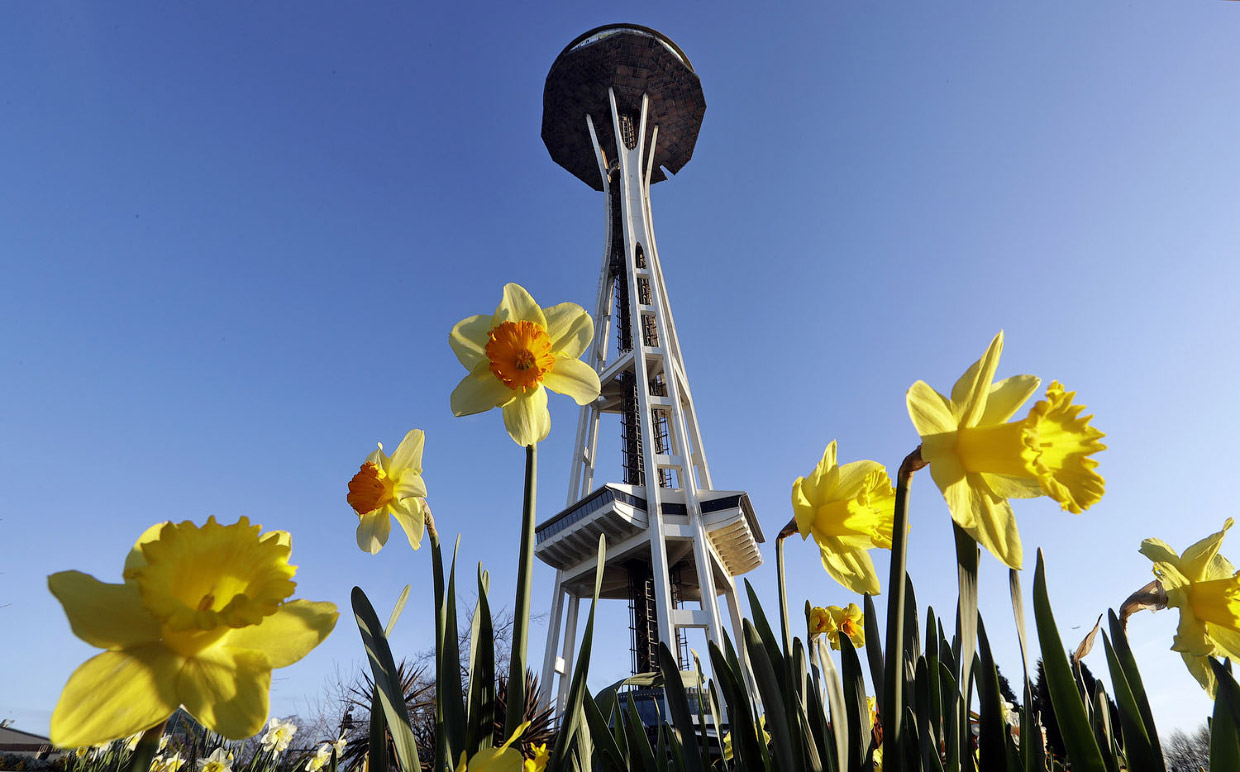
(369, 489)
(520, 354)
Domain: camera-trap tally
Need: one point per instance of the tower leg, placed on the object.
(553, 642)
(565, 665)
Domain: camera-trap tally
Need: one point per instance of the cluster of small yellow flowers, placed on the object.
(833, 621)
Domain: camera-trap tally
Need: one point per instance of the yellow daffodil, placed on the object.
(514, 353)
(390, 485)
(727, 739)
(218, 761)
(200, 621)
(539, 761)
(819, 620)
(871, 705)
(849, 621)
(979, 460)
(339, 745)
(848, 509)
(173, 763)
(501, 759)
(1205, 587)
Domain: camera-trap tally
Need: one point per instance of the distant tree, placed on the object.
(1186, 752)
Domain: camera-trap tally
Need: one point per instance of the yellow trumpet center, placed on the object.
(520, 354)
(848, 627)
(202, 582)
(370, 489)
(1216, 601)
(1053, 445)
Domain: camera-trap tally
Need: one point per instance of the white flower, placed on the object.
(131, 744)
(320, 757)
(279, 735)
(219, 761)
(340, 744)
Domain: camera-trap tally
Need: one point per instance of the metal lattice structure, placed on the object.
(674, 543)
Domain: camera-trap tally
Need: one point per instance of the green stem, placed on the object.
(437, 580)
(515, 708)
(787, 531)
(892, 709)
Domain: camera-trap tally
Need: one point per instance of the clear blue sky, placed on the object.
(234, 239)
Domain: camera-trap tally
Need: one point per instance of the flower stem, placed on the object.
(787, 531)
(521, 608)
(893, 681)
(441, 734)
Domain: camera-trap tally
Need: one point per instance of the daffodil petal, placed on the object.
(135, 559)
(929, 410)
(1007, 396)
(109, 616)
(1228, 641)
(411, 518)
(1191, 637)
(469, 340)
(972, 390)
(226, 690)
(372, 531)
(496, 760)
(1196, 559)
(852, 568)
(516, 305)
(573, 378)
(526, 417)
(116, 694)
(994, 524)
(408, 455)
(1219, 568)
(949, 475)
(1010, 487)
(289, 634)
(479, 391)
(1166, 564)
(410, 486)
(853, 475)
(570, 329)
(802, 508)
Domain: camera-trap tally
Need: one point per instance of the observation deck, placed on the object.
(569, 540)
(632, 61)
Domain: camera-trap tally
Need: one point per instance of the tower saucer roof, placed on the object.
(633, 60)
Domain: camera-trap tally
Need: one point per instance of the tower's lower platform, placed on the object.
(569, 540)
